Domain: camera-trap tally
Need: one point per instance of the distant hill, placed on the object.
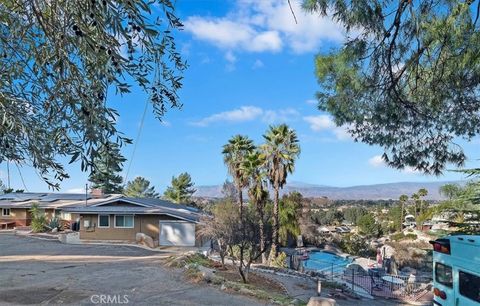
(363, 192)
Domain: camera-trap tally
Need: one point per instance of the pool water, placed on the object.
(326, 262)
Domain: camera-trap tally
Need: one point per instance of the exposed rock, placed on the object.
(145, 240)
(321, 301)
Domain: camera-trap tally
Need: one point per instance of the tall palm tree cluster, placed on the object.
(258, 167)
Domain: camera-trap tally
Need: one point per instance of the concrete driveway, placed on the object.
(35, 272)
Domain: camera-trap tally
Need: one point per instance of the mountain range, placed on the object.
(362, 192)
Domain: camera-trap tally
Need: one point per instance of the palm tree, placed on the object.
(281, 149)
(422, 192)
(403, 200)
(253, 168)
(234, 153)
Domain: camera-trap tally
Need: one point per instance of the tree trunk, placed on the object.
(240, 201)
(276, 224)
(401, 218)
(262, 239)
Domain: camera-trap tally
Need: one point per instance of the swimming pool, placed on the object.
(326, 262)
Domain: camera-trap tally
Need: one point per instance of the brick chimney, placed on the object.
(97, 193)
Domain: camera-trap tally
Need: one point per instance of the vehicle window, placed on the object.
(443, 274)
(469, 286)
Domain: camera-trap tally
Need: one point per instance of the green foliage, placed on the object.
(280, 261)
(289, 212)
(54, 223)
(281, 149)
(58, 61)
(401, 236)
(39, 221)
(368, 226)
(329, 217)
(355, 245)
(107, 165)
(140, 188)
(181, 190)
(396, 83)
(353, 214)
(450, 190)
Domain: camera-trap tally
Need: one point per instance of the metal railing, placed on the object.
(388, 286)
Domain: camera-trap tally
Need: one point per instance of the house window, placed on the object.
(124, 221)
(103, 220)
(5, 212)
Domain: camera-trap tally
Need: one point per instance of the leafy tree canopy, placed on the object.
(368, 226)
(140, 188)
(407, 79)
(107, 166)
(181, 190)
(289, 214)
(58, 61)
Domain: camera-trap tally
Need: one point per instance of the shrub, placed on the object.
(397, 236)
(54, 223)
(280, 261)
(38, 219)
(411, 236)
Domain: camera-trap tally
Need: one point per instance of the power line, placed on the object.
(21, 176)
(139, 132)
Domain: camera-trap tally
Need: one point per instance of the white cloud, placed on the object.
(258, 64)
(280, 116)
(266, 26)
(376, 161)
(242, 114)
(321, 123)
(250, 113)
(311, 102)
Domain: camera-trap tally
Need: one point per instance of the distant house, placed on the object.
(343, 230)
(107, 217)
(14, 207)
(121, 218)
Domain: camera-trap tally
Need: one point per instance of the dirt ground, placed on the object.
(39, 272)
(255, 280)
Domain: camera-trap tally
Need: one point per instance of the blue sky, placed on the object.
(250, 66)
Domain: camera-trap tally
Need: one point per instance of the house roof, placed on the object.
(43, 199)
(86, 204)
(144, 206)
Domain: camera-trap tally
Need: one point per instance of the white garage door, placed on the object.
(178, 233)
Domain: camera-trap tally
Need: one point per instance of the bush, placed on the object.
(280, 261)
(397, 236)
(38, 219)
(54, 223)
(411, 236)
(401, 236)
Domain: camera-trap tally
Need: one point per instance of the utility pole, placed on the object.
(86, 194)
(8, 174)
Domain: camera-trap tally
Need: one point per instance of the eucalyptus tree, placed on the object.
(406, 78)
(253, 169)
(281, 149)
(58, 61)
(234, 154)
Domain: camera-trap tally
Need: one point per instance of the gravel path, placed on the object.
(35, 272)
